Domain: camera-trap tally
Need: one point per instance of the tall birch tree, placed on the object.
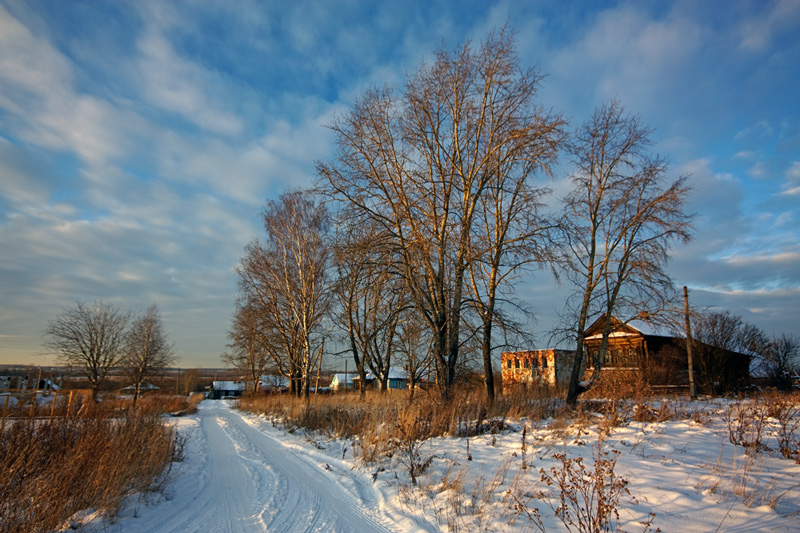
(621, 218)
(418, 161)
(285, 279)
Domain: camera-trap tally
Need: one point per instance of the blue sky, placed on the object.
(139, 140)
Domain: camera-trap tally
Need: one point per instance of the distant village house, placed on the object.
(660, 361)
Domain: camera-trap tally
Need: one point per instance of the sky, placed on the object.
(140, 140)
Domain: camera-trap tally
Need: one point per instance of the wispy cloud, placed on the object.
(138, 140)
(761, 29)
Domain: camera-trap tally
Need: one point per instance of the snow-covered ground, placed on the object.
(242, 473)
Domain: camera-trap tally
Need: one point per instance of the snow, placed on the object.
(240, 474)
(228, 385)
(244, 473)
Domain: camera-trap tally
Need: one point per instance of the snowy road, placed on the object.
(238, 477)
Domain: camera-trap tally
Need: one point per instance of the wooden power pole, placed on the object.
(692, 390)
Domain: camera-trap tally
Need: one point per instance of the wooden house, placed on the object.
(662, 361)
(632, 356)
(226, 389)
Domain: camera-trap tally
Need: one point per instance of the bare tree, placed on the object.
(371, 299)
(147, 349)
(780, 360)
(89, 337)
(509, 235)
(285, 280)
(723, 347)
(622, 216)
(277, 328)
(414, 350)
(419, 164)
(249, 348)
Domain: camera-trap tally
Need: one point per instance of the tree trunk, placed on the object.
(488, 372)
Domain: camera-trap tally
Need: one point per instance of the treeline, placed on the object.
(437, 200)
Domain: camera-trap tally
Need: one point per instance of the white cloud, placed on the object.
(27, 62)
(769, 261)
(629, 54)
(793, 173)
(36, 88)
(759, 130)
(761, 29)
(177, 85)
(758, 170)
(792, 185)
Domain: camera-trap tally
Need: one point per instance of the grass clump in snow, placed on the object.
(52, 470)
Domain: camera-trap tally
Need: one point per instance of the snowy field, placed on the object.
(244, 473)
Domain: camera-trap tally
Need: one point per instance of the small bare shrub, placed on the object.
(588, 498)
(784, 409)
(745, 421)
(411, 432)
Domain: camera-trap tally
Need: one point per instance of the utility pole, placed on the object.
(692, 390)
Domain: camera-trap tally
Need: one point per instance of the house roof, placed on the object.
(228, 385)
(144, 386)
(632, 328)
(394, 373)
(618, 329)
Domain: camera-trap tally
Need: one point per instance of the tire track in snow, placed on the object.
(323, 504)
(238, 478)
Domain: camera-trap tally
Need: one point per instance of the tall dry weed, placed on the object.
(588, 497)
(51, 470)
(784, 410)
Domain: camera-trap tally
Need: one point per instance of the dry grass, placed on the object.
(350, 415)
(738, 478)
(587, 498)
(150, 404)
(784, 412)
(51, 470)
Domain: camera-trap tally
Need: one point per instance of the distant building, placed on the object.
(397, 379)
(536, 367)
(226, 389)
(342, 382)
(631, 355)
(273, 383)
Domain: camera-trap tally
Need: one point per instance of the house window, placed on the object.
(516, 363)
(527, 363)
(544, 362)
(535, 363)
(508, 363)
